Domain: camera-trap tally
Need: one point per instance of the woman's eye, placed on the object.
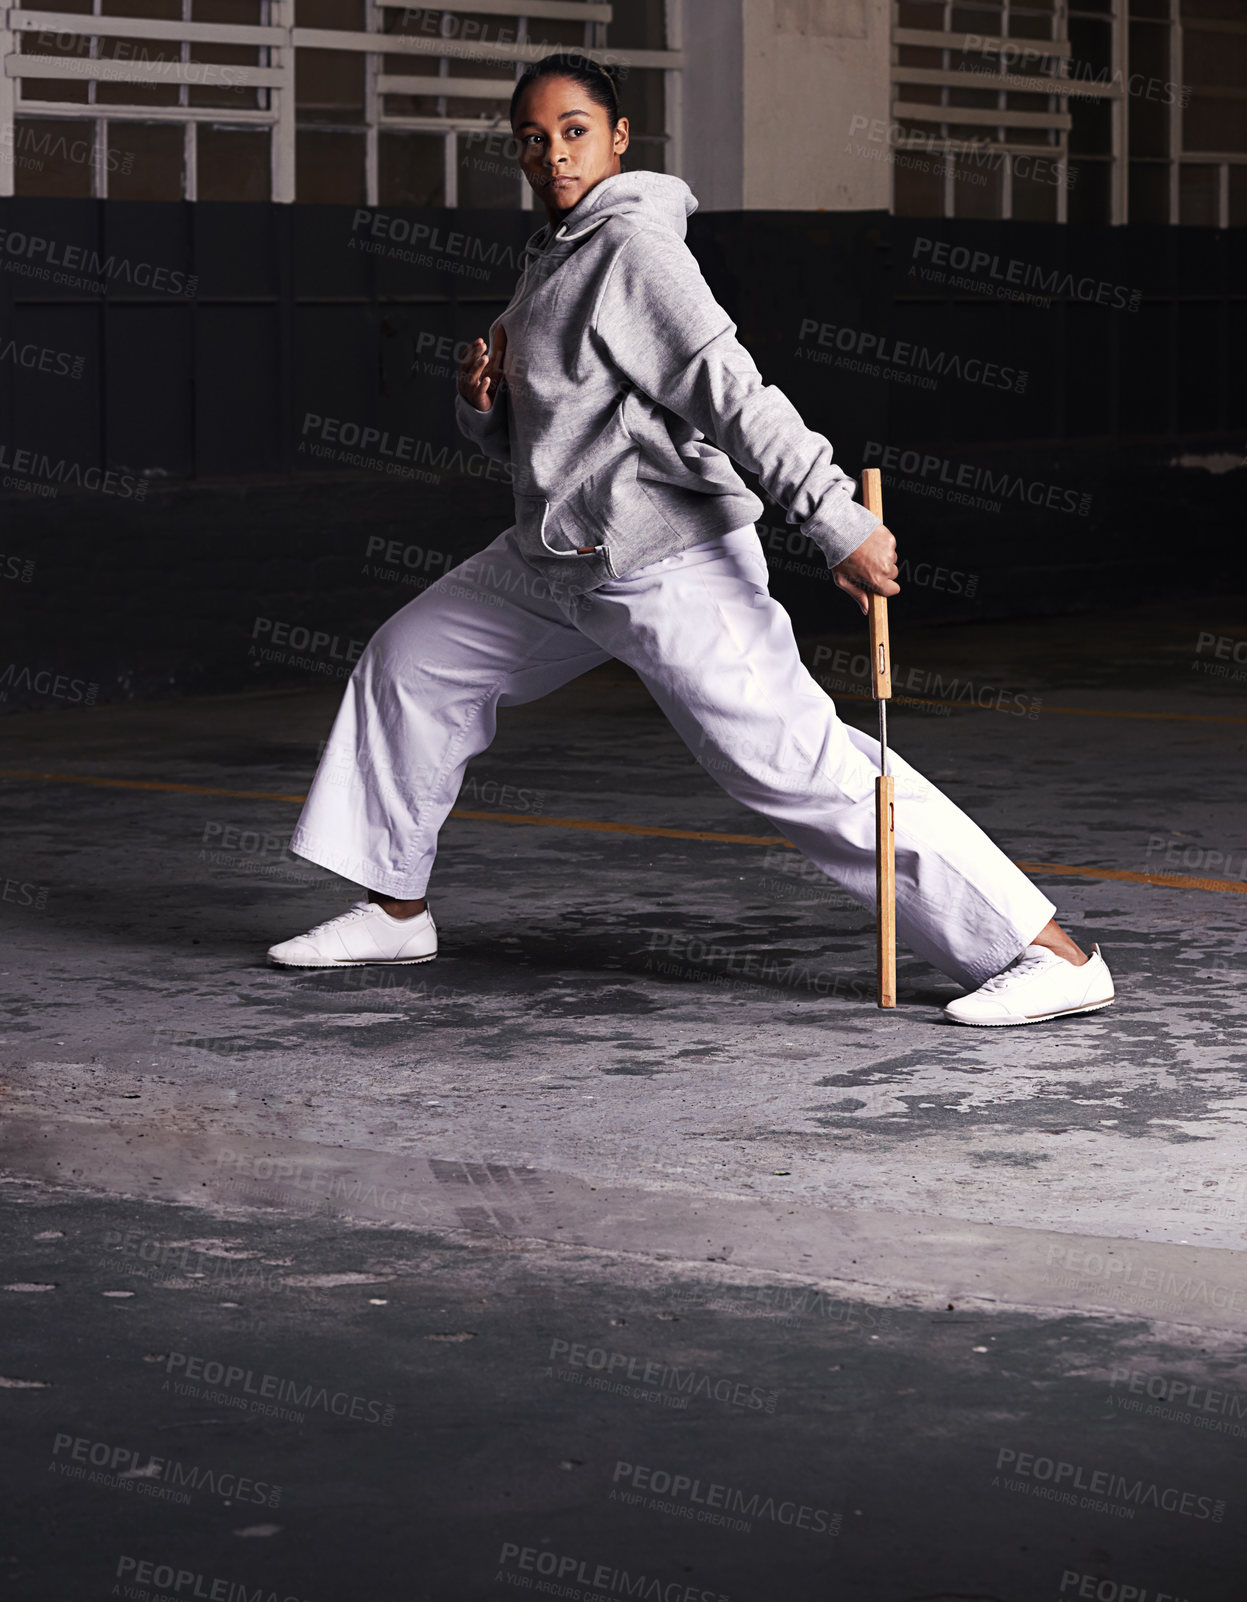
(536, 139)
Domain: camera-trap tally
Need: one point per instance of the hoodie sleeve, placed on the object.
(487, 430)
(661, 326)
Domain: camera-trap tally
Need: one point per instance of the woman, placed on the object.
(616, 391)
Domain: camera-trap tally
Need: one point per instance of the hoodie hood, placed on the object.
(658, 196)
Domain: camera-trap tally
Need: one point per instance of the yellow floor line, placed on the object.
(146, 784)
(456, 812)
(1175, 881)
(1071, 711)
(623, 828)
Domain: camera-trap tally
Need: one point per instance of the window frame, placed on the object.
(276, 38)
(1116, 16)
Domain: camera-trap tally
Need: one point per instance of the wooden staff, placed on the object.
(885, 821)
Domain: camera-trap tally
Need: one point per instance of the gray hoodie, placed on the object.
(626, 392)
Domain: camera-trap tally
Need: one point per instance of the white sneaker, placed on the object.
(366, 933)
(1039, 985)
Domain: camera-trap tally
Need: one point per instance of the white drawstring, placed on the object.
(580, 550)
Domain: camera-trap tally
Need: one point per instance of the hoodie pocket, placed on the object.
(605, 500)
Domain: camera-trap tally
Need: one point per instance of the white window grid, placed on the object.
(1057, 117)
(1176, 156)
(998, 123)
(276, 38)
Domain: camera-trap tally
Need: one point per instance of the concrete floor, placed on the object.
(936, 1246)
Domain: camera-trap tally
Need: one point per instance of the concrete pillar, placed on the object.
(770, 92)
(713, 107)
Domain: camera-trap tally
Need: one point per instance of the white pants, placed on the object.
(718, 655)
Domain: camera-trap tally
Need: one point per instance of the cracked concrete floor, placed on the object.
(548, 1032)
(149, 1053)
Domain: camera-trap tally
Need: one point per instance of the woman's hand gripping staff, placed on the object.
(870, 570)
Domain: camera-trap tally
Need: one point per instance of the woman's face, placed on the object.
(566, 142)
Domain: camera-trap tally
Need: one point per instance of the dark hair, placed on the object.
(599, 82)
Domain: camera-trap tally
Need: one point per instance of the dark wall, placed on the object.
(216, 420)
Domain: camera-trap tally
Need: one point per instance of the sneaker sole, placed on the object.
(362, 962)
(1038, 1017)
